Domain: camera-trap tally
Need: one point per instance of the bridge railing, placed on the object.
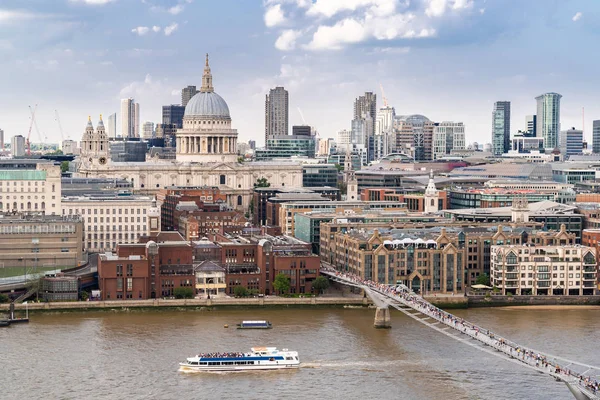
(558, 367)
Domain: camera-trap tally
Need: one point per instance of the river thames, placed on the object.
(135, 355)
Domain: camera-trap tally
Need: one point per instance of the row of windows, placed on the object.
(108, 212)
(28, 197)
(25, 206)
(143, 219)
(133, 228)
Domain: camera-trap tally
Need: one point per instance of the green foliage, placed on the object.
(183, 293)
(282, 283)
(64, 166)
(241, 159)
(483, 279)
(320, 284)
(262, 182)
(3, 298)
(343, 187)
(339, 167)
(240, 291)
(84, 295)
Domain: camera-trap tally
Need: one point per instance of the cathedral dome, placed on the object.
(207, 104)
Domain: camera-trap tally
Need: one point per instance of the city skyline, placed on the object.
(83, 65)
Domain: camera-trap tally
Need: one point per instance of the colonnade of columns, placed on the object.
(214, 145)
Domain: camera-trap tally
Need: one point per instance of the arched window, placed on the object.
(29, 205)
(15, 205)
(22, 206)
(511, 258)
(432, 202)
(239, 200)
(43, 205)
(53, 188)
(1, 205)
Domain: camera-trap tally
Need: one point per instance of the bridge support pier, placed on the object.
(576, 392)
(382, 318)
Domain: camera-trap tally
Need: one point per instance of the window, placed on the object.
(222, 179)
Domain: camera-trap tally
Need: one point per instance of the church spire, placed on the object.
(207, 85)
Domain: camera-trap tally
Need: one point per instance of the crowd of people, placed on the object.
(540, 361)
(221, 355)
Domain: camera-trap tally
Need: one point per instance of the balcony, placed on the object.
(511, 284)
(588, 277)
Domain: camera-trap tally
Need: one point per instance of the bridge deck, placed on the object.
(578, 376)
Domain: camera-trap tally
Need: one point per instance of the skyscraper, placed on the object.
(501, 128)
(111, 128)
(17, 146)
(548, 118)
(365, 108)
(173, 114)
(571, 142)
(130, 118)
(2, 138)
(186, 95)
(596, 136)
(276, 113)
(531, 128)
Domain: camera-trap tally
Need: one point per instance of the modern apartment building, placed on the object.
(130, 118)
(571, 142)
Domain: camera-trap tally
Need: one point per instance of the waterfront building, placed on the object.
(130, 118)
(276, 113)
(173, 115)
(30, 241)
(17, 146)
(501, 127)
(205, 156)
(548, 118)
(562, 268)
(110, 220)
(448, 136)
(531, 125)
(186, 95)
(210, 278)
(571, 142)
(111, 128)
(59, 287)
(30, 187)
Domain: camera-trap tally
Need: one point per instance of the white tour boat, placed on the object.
(259, 358)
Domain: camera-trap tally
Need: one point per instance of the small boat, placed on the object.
(4, 323)
(259, 358)
(255, 325)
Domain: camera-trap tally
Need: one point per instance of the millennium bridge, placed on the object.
(581, 379)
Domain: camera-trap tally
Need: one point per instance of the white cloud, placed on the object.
(156, 28)
(171, 28)
(329, 8)
(334, 37)
(287, 40)
(12, 16)
(482, 11)
(93, 2)
(274, 16)
(140, 30)
(577, 16)
(175, 9)
(436, 8)
(462, 4)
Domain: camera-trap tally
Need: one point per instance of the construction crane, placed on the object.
(385, 102)
(41, 139)
(28, 144)
(62, 136)
(302, 116)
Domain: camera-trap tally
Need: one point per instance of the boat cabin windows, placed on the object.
(289, 358)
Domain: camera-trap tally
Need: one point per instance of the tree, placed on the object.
(183, 293)
(240, 291)
(84, 295)
(483, 279)
(64, 166)
(262, 182)
(320, 284)
(339, 167)
(282, 283)
(3, 298)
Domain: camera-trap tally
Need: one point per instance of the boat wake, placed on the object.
(356, 364)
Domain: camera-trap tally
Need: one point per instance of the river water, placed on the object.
(134, 355)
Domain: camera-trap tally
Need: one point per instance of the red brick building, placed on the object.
(415, 202)
(170, 197)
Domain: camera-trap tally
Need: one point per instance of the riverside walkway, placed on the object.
(581, 379)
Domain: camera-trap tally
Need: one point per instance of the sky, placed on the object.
(449, 60)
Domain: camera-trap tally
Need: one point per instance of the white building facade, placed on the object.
(35, 190)
(448, 136)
